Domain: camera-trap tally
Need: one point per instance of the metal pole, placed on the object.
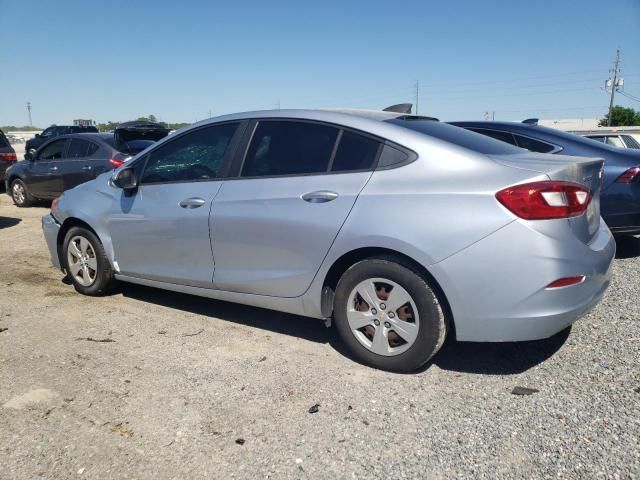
(613, 86)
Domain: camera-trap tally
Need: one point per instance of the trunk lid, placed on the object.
(129, 131)
(583, 170)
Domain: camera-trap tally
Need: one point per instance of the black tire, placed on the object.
(26, 200)
(432, 327)
(104, 279)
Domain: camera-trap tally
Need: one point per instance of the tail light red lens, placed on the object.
(545, 200)
(629, 176)
(54, 205)
(566, 281)
(116, 163)
(10, 157)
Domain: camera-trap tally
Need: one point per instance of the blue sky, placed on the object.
(117, 60)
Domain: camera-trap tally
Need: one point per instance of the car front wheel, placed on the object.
(388, 315)
(20, 194)
(86, 262)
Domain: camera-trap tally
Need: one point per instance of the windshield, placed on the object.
(458, 136)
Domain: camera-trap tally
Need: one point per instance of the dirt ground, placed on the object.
(154, 385)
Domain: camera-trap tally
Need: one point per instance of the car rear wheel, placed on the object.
(20, 194)
(86, 262)
(388, 315)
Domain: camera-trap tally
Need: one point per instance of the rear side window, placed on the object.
(81, 148)
(197, 155)
(355, 152)
(502, 136)
(630, 141)
(457, 136)
(289, 148)
(534, 145)
(3, 140)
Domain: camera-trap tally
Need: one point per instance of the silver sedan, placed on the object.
(397, 229)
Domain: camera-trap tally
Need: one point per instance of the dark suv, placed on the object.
(7, 155)
(51, 132)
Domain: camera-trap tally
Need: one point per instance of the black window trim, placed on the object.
(240, 158)
(226, 161)
(556, 148)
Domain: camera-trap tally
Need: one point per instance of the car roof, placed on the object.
(87, 135)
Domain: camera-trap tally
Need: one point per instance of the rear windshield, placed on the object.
(130, 148)
(458, 136)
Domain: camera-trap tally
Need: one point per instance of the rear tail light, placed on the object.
(10, 157)
(116, 163)
(545, 200)
(629, 176)
(566, 282)
(54, 205)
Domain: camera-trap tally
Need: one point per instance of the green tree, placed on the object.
(621, 117)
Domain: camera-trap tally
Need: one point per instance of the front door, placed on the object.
(274, 224)
(45, 179)
(161, 232)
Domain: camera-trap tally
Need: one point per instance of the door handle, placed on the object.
(193, 202)
(54, 168)
(86, 167)
(319, 196)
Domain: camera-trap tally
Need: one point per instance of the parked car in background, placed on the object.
(620, 197)
(7, 155)
(401, 228)
(620, 140)
(70, 160)
(51, 132)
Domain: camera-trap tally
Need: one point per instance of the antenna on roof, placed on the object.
(530, 121)
(399, 108)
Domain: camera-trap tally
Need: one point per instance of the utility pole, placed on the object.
(417, 94)
(29, 111)
(614, 82)
(209, 114)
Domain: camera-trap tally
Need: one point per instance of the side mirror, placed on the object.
(125, 179)
(37, 135)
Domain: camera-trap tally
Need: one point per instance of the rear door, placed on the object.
(45, 177)
(274, 223)
(82, 162)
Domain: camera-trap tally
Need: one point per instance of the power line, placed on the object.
(632, 97)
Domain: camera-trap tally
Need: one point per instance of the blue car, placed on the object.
(620, 195)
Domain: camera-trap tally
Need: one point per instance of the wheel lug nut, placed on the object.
(391, 315)
(382, 306)
(376, 322)
(374, 311)
(387, 324)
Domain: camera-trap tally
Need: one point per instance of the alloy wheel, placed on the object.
(82, 261)
(18, 193)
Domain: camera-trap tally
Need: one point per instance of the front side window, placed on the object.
(81, 148)
(598, 139)
(533, 145)
(355, 152)
(289, 148)
(52, 151)
(614, 142)
(48, 132)
(197, 155)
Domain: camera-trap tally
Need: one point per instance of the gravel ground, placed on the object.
(150, 384)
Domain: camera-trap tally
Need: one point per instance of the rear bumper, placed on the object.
(51, 228)
(496, 287)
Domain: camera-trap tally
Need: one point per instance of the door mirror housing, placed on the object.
(38, 135)
(125, 179)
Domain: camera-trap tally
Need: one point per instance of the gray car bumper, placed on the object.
(497, 287)
(51, 228)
